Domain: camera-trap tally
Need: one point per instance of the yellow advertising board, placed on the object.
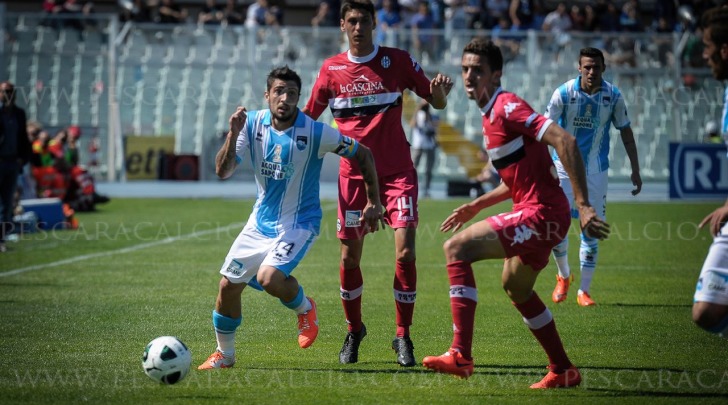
(141, 155)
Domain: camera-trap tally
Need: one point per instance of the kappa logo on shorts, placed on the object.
(523, 233)
(338, 224)
(351, 219)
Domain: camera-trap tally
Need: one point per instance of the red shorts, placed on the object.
(531, 232)
(398, 193)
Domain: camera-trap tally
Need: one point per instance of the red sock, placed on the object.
(352, 285)
(538, 318)
(463, 300)
(405, 293)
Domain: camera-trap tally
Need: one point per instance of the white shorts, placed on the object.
(596, 186)
(713, 281)
(252, 249)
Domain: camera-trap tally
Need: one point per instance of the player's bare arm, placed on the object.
(464, 213)
(372, 214)
(568, 151)
(631, 147)
(225, 159)
(716, 219)
(440, 87)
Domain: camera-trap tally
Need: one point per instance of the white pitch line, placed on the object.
(117, 251)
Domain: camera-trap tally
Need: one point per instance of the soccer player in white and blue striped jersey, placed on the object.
(587, 107)
(286, 148)
(710, 306)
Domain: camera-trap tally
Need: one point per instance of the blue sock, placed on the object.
(721, 329)
(299, 304)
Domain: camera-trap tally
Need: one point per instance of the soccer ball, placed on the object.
(166, 359)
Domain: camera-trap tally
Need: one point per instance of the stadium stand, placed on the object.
(183, 80)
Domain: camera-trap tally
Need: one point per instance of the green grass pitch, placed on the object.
(78, 307)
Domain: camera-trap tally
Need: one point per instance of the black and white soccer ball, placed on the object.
(166, 360)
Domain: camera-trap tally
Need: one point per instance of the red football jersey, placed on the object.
(365, 97)
(512, 133)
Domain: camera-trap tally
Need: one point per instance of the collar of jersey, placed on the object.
(488, 106)
(602, 88)
(362, 59)
(300, 119)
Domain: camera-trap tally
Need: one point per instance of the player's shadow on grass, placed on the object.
(638, 305)
(642, 393)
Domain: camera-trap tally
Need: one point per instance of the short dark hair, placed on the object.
(284, 73)
(593, 53)
(363, 5)
(717, 20)
(487, 49)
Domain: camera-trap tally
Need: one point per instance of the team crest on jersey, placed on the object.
(386, 62)
(301, 142)
(606, 100)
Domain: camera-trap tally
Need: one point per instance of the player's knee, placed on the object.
(406, 255)
(227, 287)
(711, 319)
(349, 262)
(452, 250)
(703, 317)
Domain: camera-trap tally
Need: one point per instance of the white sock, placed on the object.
(562, 259)
(304, 307)
(226, 343)
(225, 328)
(588, 251)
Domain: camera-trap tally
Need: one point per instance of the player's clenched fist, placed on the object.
(237, 120)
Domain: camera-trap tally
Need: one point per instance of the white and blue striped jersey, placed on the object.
(287, 168)
(724, 117)
(589, 117)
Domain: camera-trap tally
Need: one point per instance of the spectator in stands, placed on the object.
(327, 14)
(211, 13)
(494, 11)
(623, 51)
(15, 151)
(629, 20)
(591, 20)
(388, 21)
(51, 10)
(423, 42)
(171, 13)
(424, 141)
(558, 23)
(523, 13)
(456, 16)
(474, 9)
(231, 15)
(510, 45)
(256, 15)
(578, 18)
(663, 42)
(608, 16)
(139, 12)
